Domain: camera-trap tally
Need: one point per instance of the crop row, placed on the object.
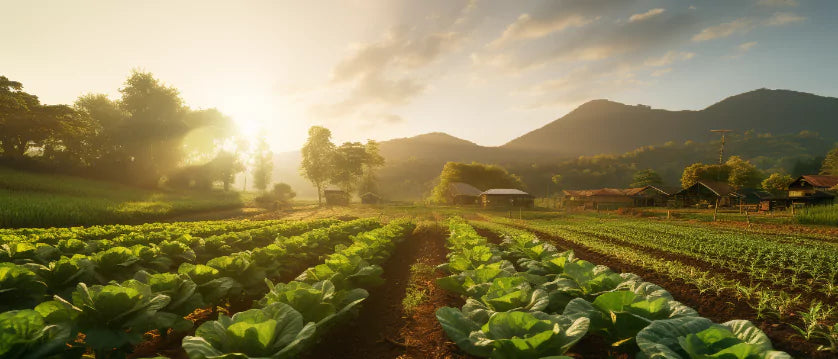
(525, 299)
(815, 321)
(785, 262)
(157, 230)
(113, 317)
(293, 315)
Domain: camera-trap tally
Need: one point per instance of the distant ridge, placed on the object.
(603, 126)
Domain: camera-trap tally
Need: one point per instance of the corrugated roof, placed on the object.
(463, 189)
(822, 181)
(506, 191)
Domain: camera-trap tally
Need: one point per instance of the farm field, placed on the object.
(416, 282)
(45, 200)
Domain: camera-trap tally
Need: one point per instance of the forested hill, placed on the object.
(776, 129)
(603, 126)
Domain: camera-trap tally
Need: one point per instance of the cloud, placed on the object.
(746, 46)
(740, 25)
(646, 15)
(745, 24)
(527, 27)
(661, 72)
(387, 72)
(668, 58)
(778, 3)
(784, 18)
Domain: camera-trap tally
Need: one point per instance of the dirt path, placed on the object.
(374, 334)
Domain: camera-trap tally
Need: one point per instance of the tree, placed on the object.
(701, 172)
(263, 164)
(372, 161)
(476, 174)
(830, 163)
(558, 181)
(742, 173)
(647, 177)
(777, 182)
(224, 168)
(317, 158)
(283, 193)
(348, 161)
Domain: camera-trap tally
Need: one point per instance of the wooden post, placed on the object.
(716, 209)
(668, 214)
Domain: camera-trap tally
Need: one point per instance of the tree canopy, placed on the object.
(736, 171)
(830, 163)
(647, 177)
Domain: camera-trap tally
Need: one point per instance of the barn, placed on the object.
(708, 194)
(463, 193)
(336, 196)
(813, 190)
(613, 198)
(506, 197)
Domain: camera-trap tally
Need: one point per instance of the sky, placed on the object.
(483, 70)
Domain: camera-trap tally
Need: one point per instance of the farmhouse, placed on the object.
(506, 197)
(813, 190)
(708, 193)
(462, 193)
(336, 196)
(370, 198)
(612, 198)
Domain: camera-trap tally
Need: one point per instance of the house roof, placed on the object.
(369, 194)
(506, 191)
(463, 189)
(719, 188)
(822, 181)
(332, 189)
(611, 192)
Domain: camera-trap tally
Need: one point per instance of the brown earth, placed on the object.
(375, 332)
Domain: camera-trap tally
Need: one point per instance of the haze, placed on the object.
(486, 71)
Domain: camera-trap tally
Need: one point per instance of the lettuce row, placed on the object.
(527, 276)
(292, 315)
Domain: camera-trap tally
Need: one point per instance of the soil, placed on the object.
(375, 332)
(719, 308)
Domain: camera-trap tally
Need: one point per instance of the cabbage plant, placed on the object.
(25, 335)
(20, 287)
(620, 315)
(276, 331)
(513, 334)
(699, 338)
(318, 302)
(476, 282)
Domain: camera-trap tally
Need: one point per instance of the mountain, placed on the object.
(603, 126)
(621, 136)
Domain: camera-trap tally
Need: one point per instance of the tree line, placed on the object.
(145, 137)
(351, 166)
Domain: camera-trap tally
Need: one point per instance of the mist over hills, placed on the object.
(768, 125)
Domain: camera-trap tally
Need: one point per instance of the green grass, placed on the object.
(41, 200)
(823, 215)
(415, 294)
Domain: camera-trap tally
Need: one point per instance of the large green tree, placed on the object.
(317, 158)
(348, 162)
(777, 182)
(373, 160)
(647, 177)
(736, 172)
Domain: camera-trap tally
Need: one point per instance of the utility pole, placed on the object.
(722, 149)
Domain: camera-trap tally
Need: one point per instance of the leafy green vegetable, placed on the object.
(620, 315)
(522, 335)
(24, 334)
(696, 338)
(276, 331)
(19, 287)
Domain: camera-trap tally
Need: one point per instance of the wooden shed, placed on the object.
(708, 194)
(463, 193)
(613, 198)
(506, 197)
(813, 190)
(336, 197)
(370, 198)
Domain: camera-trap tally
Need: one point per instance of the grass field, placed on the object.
(39, 200)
